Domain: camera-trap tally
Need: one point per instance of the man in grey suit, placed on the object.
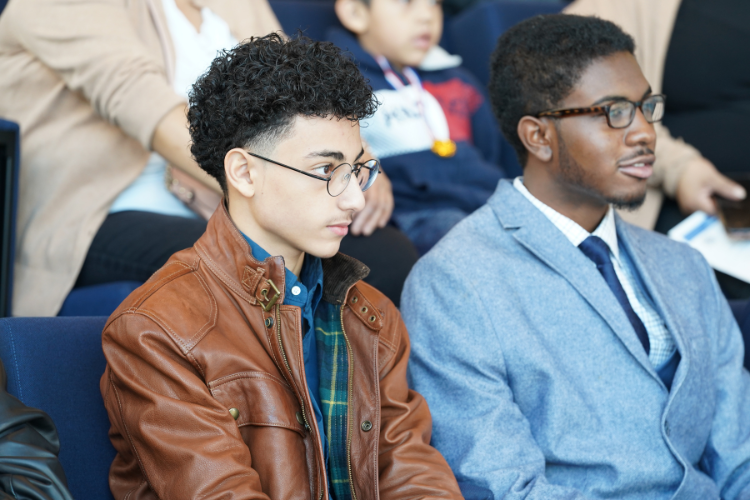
(564, 353)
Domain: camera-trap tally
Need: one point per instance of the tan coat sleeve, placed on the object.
(94, 47)
(650, 23)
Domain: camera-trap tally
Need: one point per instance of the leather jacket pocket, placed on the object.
(283, 454)
(258, 398)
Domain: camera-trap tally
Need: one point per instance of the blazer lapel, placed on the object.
(542, 238)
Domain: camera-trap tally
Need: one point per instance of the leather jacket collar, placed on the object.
(226, 252)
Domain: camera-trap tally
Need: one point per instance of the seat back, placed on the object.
(97, 300)
(55, 364)
(9, 167)
(313, 17)
(474, 32)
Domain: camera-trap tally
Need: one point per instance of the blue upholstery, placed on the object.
(474, 32)
(54, 364)
(311, 16)
(10, 144)
(97, 300)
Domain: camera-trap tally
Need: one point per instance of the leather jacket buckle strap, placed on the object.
(265, 302)
(251, 278)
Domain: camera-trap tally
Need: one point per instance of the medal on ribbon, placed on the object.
(444, 148)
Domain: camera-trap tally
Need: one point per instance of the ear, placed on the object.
(538, 136)
(354, 15)
(241, 171)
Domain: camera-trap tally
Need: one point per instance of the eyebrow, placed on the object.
(336, 155)
(620, 98)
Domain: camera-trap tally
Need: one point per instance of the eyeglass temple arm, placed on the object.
(575, 111)
(290, 168)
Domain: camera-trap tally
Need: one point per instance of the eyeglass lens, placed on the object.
(621, 113)
(343, 173)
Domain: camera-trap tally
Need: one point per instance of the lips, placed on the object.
(423, 42)
(340, 229)
(640, 168)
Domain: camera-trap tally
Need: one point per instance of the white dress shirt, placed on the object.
(662, 344)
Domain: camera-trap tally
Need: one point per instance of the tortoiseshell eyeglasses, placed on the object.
(620, 114)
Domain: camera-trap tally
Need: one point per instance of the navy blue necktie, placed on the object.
(597, 250)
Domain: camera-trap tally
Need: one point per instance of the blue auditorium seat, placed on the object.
(313, 17)
(474, 32)
(9, 168)
(97, 300)
(55, 364)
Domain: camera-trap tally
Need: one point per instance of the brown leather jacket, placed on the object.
(206, 389)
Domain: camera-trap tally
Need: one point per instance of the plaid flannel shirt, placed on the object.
(333, 365)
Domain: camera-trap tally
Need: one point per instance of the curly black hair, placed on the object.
(251, 94)
(537, 63)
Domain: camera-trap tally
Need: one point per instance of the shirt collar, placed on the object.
(606, 230)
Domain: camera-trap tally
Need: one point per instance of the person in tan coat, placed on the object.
(99, 89)
(681, 171)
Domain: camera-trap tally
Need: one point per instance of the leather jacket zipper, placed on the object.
(349, 410)
(302, 403)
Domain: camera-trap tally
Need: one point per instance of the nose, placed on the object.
(352, 198)
(641, 132)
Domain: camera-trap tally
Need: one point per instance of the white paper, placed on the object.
(707, 235)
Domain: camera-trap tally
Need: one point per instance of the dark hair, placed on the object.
(537, 63)
(251, 94)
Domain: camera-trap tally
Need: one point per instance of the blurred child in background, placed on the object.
(434, 131)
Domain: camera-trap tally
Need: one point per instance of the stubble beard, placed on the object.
(574, 174)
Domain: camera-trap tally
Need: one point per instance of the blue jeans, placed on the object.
(425, 227)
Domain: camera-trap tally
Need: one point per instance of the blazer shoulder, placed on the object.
(177, 298)
(478, 236)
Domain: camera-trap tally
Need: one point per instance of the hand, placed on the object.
(378, 208)
(698, 182)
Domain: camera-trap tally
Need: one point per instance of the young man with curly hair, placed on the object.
(257, 364)
(599, 360)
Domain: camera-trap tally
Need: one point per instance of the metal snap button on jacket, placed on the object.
(366, 425)
(235, 413)
(300, 419)
(269, 322)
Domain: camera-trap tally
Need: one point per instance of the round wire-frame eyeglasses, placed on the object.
(336, 182)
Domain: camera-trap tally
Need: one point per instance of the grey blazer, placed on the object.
(537, 383)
